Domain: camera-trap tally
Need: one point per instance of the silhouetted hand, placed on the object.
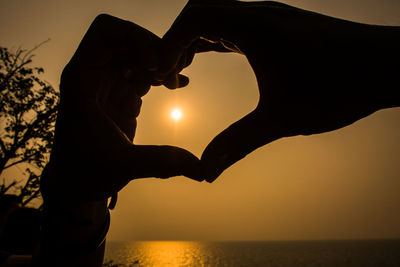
(315, 73)
(101, 89)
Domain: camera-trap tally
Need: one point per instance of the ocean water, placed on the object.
(377, 253)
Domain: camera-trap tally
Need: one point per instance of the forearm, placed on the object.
(73, 236)
(383, 61)
(365, 59)
(71, 228)
(327, 57)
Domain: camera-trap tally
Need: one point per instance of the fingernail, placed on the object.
(159, 76)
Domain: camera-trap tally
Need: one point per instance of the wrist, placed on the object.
(75, 233)
(64, 214)
(75, 224)
(72, 230)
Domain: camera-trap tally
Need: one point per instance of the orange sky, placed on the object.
(344, 184)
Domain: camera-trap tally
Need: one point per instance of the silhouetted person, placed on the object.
(315, 73)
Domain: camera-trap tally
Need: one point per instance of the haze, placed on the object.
(343, 184)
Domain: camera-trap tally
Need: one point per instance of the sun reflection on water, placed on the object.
(167, 253)
(258, 254)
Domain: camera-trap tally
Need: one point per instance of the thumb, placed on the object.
(161, 162)
(177, 39)
(238, 140)
(198, 18)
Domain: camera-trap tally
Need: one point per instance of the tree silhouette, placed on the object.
(28, 110)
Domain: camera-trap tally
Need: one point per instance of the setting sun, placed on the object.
(176, 114)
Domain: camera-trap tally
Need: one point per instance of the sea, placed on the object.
(345, 253)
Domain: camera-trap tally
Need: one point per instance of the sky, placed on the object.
(339, 185)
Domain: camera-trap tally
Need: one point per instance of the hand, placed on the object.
(101, 89)
(315, 73)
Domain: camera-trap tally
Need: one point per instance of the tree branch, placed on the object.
(3, 146)
(6, 188)
(28, 55)
(13, 68)
(23, 159)
(16, 163)
(26, 59)
(32, 197)
(31, 127)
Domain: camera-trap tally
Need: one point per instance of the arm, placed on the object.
(93, 155)
(315, 73)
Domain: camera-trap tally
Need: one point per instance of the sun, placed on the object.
(176, 114)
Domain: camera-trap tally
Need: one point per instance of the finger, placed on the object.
(183, 32)
(162, 162)
(116, 41)
(138, 81)
(200, 45)
(203, 45)
(112, 160)
(198, 18)
(207, 19)
(143, 49)
(175, 81)
(238, 140)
